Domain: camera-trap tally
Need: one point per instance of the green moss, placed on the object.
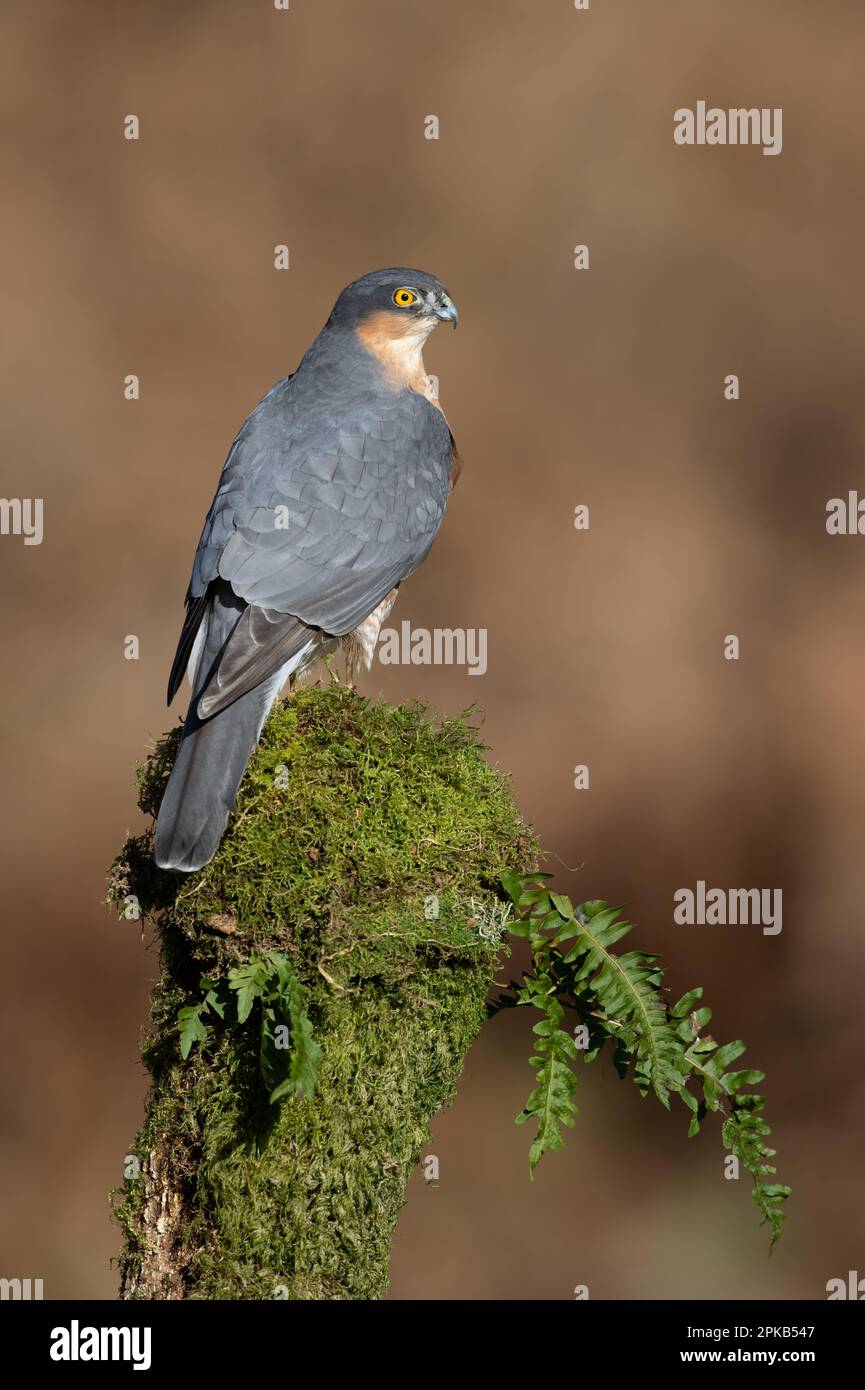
(355, 823)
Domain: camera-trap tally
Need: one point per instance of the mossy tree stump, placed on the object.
(366, 848)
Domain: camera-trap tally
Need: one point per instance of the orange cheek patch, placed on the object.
(396, 341)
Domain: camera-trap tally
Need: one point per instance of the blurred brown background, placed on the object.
(601, 387)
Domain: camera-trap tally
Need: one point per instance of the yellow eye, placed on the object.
(404, 298)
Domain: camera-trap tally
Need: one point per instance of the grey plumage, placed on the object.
(212, 755)
(331, 495)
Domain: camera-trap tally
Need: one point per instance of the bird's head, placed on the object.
(404, 303)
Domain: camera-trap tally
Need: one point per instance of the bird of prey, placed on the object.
(331, 495)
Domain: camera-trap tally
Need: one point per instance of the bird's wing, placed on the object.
(196, 608)
(324, 505)
(261, 643)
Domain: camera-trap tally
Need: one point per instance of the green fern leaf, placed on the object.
(249, 981)
(191, 1027)
(551, 1103)
(626, 989)
(289, 1053)
(620, 999)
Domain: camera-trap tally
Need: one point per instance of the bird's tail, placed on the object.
(213, 751)
(203, 785)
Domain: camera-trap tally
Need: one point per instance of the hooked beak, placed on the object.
(447, 310)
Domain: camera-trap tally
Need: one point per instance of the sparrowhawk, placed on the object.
(331, 495)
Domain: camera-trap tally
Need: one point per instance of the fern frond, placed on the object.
(551, 1102)
(744, 1131)
(288, 1052)
(625, 990)
(621, 1000)
(289, 1059)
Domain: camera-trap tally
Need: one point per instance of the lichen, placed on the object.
(365, 844)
